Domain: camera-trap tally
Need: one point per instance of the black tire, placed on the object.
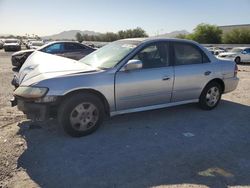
(237, 60)
(68, 108)
(204, 102)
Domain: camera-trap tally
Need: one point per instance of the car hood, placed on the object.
(40, 63)
(23, 51)
(11, 44)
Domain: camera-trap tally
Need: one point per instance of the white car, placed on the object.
(216, 51)
(35, 44)
(239, 54)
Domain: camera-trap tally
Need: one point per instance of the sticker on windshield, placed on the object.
(128, 46)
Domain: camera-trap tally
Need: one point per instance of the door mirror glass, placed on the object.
(244, 52)
(133, 64)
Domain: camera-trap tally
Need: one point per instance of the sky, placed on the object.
(46, 17)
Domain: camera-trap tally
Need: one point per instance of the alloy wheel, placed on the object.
(84, 116)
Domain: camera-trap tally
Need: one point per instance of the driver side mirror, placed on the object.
(133, 64)
(244, 52)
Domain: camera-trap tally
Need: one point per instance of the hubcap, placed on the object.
(212, 96)
(84, 116)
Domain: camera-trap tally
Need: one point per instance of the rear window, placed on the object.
(73, 47)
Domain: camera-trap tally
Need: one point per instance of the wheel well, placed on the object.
(93, 92)
(219, 81)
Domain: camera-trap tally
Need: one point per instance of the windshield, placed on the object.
(11, 41)
(236, 50)
(109, 55)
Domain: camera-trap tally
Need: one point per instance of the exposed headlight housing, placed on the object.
(20, 55)
(29, 92)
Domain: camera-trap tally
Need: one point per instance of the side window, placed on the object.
(73, 47)
(186, 54)
(153, 56)
(80, 47)
(247, 50)
(54, 48)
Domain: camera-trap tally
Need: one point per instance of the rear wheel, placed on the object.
(210, 96)
(237, 60)
(81, 114)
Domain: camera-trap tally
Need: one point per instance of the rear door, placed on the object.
(150, 85)
(192, 70)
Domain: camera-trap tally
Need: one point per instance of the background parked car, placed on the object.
(27, 43)
(215, 50)
(239, 54)
(12, 45)
(1, 44)
(124, 76)
(35, 44)
(72, 50)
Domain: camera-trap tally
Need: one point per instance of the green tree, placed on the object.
(79, 37)
(110, 36)
(206, 34)
(181, 36)
(139, 32)
(237, 36)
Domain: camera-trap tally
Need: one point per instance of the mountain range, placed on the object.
(69, 35)
(174, 34)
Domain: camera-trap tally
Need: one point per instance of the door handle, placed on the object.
(165, 78)
(207, 73)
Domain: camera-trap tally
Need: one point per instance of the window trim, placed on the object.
(203, 55)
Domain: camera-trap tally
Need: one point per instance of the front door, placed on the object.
(150, 85)
(245, 56)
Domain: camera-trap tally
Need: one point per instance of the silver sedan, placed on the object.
(125, 76)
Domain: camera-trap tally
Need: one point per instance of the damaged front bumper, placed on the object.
(37, 111)
(34, 111)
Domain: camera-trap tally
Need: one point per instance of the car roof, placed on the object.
(11, 39)
(52, 42)
(157, 39)
(242, 48)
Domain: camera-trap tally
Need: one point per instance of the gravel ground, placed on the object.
(176, 147)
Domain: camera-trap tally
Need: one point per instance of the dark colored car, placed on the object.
(72, 50)
(12, 45)
(1, 44)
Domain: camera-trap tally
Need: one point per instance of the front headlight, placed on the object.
(30, 92)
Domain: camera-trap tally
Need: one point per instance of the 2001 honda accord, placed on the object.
(125, 76)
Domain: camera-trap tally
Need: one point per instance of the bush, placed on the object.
(237, 36)
(205, 34)
(110, 36)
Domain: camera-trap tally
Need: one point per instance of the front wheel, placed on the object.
(210, 96)
(81, 114)
(237, 60)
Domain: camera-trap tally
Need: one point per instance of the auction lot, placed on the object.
(181, 146)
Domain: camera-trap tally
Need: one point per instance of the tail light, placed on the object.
(235, 70)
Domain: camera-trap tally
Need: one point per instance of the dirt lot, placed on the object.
(175, 147)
